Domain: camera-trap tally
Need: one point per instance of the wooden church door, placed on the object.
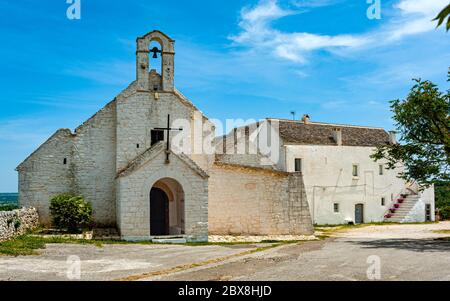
(159, 212)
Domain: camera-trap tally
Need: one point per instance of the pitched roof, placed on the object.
(298, 132)
(151, 153)
(66, 132)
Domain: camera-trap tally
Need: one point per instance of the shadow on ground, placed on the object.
(416, 245)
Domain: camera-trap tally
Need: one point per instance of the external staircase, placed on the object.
(402, 205)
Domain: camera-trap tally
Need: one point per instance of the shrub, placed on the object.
(70, 212)
(8, 207)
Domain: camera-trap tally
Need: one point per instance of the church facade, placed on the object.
(142, 164)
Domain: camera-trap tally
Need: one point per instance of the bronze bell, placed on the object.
(155, 51)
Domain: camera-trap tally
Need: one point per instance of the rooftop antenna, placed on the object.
(293, 115)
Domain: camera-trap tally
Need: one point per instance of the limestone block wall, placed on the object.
(137, 115)
(17, 222)
(255, 201)
(140, 112)
(133, 197)
(44, 174)
(238, 148)
(94, 167)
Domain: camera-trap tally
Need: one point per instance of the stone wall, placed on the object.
(256, 201)
(140, 112)
(133, 195)
(46, 173)
(94, 167)
(17, 222)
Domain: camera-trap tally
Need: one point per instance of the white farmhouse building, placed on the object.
(343, 184)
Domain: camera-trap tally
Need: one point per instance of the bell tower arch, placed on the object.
(143, 54)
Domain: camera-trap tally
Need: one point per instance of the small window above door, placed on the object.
(157, 135)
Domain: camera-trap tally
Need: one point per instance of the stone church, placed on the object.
(124, 161)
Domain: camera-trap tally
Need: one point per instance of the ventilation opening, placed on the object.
(65, 161)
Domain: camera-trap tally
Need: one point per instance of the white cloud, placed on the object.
(314, 3)
(421, 6)
(411, 17)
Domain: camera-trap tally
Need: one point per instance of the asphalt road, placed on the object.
(395, 252)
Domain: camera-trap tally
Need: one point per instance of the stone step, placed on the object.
(405, 210)
(169, 240)
(406, 207)
(400, 213)
(396, 217)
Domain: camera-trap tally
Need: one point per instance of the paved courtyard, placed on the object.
(405, 252)
(110, 262)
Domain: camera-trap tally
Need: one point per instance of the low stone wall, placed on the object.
(17, 222)
(261, 202)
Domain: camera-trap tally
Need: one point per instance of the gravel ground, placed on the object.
(404, 252)
(109, 262)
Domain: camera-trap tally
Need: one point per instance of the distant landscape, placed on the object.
(8, 198)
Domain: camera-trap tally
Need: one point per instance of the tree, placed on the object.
(423, 122)
(442, 16)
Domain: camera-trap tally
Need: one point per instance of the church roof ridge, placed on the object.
(136, 162)
(151, 153)
(156, 31)
(253, 168)
(67, 131)
(86, 122)
(328, 124)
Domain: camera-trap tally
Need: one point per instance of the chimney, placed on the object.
(392, 137)
(337, 135)
(306, 119)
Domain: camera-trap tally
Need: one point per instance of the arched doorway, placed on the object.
(167, 208)
(159, 212)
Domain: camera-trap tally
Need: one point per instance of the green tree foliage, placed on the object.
(444, 14)
(70, 212)
(442, 194)
(423, 122)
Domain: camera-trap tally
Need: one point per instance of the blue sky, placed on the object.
(234, 59)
